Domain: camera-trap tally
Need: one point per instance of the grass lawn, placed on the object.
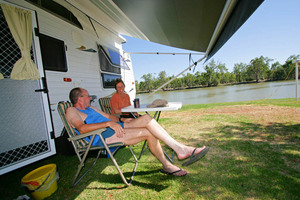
(254, 154)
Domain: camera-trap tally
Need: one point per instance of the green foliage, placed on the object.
(215, 73)
(259, 67)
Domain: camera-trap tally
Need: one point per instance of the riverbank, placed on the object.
(228, 93)
(254, 154)
(201, 86)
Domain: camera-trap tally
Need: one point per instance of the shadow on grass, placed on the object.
(249, 160)
(115, 179)
(245, 161)
(99, 179)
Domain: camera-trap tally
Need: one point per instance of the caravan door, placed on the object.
(25, 119)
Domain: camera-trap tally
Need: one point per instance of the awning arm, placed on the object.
(165, 53)
(177, 75)
(230, 4)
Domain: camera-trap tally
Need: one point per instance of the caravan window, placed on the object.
(109, 65)
(109, 60)
(10, 52)
(53, 53)
(115, 58)
(58, 10)
(109, 80)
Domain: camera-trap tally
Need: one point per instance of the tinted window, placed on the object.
(53, 53)
(106, 64)
(114, 58)
(57, 9)
(109, 80)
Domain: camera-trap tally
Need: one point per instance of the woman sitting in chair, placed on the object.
(120, 100)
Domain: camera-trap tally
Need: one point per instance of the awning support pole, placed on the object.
(296, 77)
(297, 81)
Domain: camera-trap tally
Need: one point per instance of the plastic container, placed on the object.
(41, 182)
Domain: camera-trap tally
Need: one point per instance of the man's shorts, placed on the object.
(106, 134)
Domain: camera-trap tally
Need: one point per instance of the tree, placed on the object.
(228, 77)
(257, 69)
(259, 66)
(162, 78)
(137, 86)
(275, 66)
(239, 70)
(176, 83)
(276, 71)
(189, 79)
(293, 57)
(148, 78)
(279, 73)
(289, 67)
(197, 78)
(142, 86)
(221, 70)
(210, 76)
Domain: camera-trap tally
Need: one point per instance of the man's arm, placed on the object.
(75, 119)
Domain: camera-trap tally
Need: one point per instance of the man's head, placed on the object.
(74, 94)
(80, 96)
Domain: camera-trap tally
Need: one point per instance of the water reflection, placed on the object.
(245, 92)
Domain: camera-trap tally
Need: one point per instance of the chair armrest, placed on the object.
(95, 132)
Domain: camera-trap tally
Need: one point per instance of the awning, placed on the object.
(198, 25)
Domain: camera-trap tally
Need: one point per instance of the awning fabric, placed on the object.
(188, 24)
(198, 25)
(242, 11)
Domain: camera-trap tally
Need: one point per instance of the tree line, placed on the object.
(214, 74)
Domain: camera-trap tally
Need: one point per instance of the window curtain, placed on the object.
(1, 76)
(20, 26)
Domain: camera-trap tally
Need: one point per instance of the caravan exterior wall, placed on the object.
(83, 66)
(83, 69)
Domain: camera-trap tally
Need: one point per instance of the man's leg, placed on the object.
(157, 131)
(136, 135)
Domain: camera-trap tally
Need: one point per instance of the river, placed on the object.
(230, 93)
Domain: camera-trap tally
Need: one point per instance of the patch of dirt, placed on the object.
(262, 114)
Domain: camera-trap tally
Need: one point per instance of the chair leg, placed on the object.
(80, 167)
(116, 164)
(135, 166)
(143, 149)
(81, 164)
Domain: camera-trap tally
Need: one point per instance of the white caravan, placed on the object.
(49, 47)
(66, 56)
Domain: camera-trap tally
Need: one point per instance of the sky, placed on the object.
(272, 31)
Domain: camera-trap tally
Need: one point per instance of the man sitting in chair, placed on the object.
(85, 118)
